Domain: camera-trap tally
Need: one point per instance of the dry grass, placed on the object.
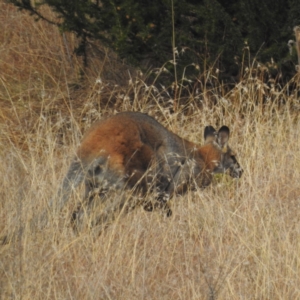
(233, 240)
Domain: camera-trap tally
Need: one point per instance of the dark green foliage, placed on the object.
(207, 33)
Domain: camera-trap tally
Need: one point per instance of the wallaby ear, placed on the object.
(209, 134)
(223, 136)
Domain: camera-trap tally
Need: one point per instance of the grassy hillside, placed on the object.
(237, 239)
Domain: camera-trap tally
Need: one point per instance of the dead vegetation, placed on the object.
(233, 240)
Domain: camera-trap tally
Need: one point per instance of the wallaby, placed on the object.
(133, 150)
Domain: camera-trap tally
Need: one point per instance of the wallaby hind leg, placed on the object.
(99, 181)
(83, 214)
(110, 213)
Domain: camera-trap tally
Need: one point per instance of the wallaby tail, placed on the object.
(73, 178)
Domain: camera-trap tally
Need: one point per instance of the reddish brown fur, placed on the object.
(131, 141)
(210, 155)
(133, 149)
(120, 140)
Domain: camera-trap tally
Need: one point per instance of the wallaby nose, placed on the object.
(240, 172)
(236, 172)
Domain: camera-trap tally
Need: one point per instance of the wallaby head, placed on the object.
(225, 158)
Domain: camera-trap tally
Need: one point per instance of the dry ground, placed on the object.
(237, 239)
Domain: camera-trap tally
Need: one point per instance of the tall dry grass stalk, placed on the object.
(233, 240)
